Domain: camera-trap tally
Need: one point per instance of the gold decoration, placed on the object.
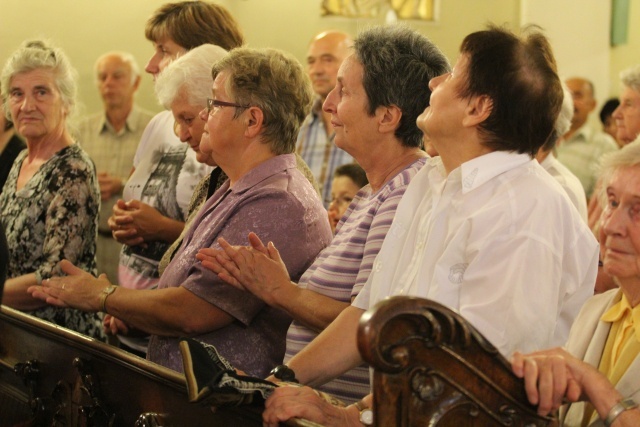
(404, 9)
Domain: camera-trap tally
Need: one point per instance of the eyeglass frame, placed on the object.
(212, 103)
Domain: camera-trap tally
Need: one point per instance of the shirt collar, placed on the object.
(263, 171)
(476, 172)
(617, 311)
(583, 133)
(131, 124)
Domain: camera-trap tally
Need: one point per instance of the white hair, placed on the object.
(189, 75)
(631, 77)
(40, 54)
(125, 57)
(563, 122)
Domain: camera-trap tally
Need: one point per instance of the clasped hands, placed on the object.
(134, 222)
(256, 268)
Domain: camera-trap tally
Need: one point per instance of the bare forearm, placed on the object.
(165, 312)
(15, 293)
(310, 308)
(603, 396)
(168, 230)
(332, 353)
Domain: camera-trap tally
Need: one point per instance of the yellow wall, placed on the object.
(627, 55)
(87, 28)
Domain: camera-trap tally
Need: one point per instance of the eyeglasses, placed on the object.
(214, 103)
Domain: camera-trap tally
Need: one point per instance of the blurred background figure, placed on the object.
(582, 147)
(49, 206)
(10, 146)
(627, 115)
(569, 182)
(347, 181)
(608, 122)
(111, 138)
(315, 140)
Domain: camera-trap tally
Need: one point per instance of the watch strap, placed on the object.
(619, 408)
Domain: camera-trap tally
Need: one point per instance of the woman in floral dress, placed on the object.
(50, 201)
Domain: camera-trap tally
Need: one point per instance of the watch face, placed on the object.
(366, 417)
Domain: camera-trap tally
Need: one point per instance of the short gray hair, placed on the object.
(275, 82)
(627, 156)
(40, 54)
(125, 57)
(398, 64)
(190, 75)
(631, 77)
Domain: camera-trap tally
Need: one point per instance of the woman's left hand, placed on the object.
(78, 289)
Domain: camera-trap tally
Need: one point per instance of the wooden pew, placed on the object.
(432, 368)
(53, 376)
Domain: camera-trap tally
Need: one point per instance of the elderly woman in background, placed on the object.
(600, 364)
(50, 201)
(259, 101)
(10, 146)
(156, 197)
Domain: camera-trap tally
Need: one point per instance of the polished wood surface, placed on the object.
(432, 368)
(52, 376)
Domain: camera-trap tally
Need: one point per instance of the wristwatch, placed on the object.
(284, 373)
(366, 414)
(103, 297)
(619, 408)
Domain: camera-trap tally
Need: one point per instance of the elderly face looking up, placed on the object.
(183, 87)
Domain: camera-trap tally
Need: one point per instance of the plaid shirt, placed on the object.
(319, 152)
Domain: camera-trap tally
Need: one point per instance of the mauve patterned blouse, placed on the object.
(278, 203)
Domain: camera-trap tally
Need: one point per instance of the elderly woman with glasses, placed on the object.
(259, 99)
(50, 201)
(597, 371)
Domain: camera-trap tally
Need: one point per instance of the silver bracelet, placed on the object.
(619, 408)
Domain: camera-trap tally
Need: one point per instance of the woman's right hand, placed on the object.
(114, 326)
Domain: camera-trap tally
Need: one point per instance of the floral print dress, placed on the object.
(54, 217)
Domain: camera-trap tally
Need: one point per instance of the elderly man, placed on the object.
(111, 138)
(582, 146)
(252, 139)
(569, 182)
(315, 140)
(483, 228)
(627, 115)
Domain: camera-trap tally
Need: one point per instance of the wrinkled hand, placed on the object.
(110, 185)
(258, 269)
(303, 402)
(122, 227)
(114, 326)
(551, 376)
(78, 289)
(134, 222)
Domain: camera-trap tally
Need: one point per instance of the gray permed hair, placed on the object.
(40, 54)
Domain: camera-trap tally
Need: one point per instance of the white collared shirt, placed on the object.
(569, 182)
(496, 240)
